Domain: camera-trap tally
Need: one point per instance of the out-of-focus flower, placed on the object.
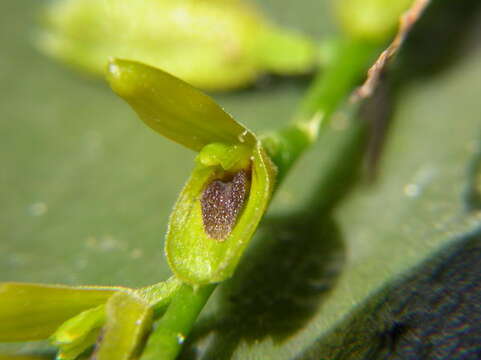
(212, 44)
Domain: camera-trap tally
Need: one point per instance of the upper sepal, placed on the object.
(174, 108)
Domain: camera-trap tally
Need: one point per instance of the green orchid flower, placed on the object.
(214, 44)
(228, 192)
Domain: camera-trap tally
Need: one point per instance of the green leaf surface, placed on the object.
(34, 311)
(173, 108)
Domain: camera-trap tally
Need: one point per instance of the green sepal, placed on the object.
(193, 256)
(174, 108)
(232, 158)
(79, 333)
(129, 320)
(35, 311)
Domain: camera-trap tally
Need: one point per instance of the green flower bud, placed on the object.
(370, 19)
(215, 44)
(79, 333)
(228, 192)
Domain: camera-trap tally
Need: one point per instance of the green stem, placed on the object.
(332, 86)
(166, 341)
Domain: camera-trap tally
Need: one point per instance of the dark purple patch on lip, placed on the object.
(222, 202)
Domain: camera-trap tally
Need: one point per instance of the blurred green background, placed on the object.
(86, 188)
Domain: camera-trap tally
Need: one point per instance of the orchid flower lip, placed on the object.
(222, 202)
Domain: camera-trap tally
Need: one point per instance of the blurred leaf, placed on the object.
(33, 311)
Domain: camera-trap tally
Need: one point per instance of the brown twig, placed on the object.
(407, 20)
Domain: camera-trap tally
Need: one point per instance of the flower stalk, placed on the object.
(329, 89)
(167, 339)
